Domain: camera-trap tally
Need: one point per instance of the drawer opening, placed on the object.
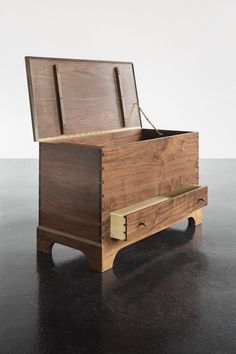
(120, 218)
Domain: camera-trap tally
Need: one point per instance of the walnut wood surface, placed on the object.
(100, 257)
(146, 169)
(93, 252)
(70, 189)
(195, 218)
(84, 178)
(111, 247)
(111, 139)
(81, 184)
(165, 213)
(88, 92)
(148, 215)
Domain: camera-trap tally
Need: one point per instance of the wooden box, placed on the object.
(104, 181)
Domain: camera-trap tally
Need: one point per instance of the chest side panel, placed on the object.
(136, 172)
(70, 189)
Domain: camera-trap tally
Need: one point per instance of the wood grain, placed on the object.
(89, 93)
(111, 247)
(90, 165)
(155, 213)
(81, 184)
(146, 169)
(121, 95)
(165, 213)
(195, 218)
(119, 218)
(70, 189)
(93, 252)
(111, 139)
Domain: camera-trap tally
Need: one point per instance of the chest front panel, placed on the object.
(136, 172)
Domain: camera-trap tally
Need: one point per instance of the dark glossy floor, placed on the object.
(172, 293)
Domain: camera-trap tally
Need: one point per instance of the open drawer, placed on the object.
(152, 215)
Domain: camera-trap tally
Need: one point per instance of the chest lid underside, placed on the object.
(69, 96)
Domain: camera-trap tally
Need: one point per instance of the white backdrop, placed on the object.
(184, 54)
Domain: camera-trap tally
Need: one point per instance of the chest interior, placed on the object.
(106, 140)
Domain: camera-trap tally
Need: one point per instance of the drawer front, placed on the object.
(152, 215)
(149, 220)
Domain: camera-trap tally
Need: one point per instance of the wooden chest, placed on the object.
(104, 181)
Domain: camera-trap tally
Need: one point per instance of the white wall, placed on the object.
(184, 53)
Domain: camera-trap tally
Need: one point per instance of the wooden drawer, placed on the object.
(152, 215)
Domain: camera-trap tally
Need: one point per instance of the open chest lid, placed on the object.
(70, 97)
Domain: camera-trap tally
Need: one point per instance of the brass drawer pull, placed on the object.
(200, 200)
(142, 223)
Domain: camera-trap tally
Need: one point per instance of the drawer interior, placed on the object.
(118, 218)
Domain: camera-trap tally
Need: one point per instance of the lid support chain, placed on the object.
(144, 115)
